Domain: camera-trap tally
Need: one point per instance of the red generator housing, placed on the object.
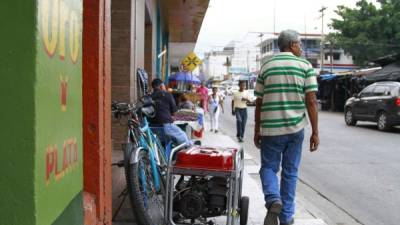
(203, 183)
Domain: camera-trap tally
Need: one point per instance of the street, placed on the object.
(354, 176)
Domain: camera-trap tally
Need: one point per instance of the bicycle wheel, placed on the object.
(147, 203)
(127, 155)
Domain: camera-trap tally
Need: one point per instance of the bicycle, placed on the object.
(145, 163)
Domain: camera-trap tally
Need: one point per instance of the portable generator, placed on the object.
(203, 183)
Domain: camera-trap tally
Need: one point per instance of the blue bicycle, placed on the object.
(145, 162)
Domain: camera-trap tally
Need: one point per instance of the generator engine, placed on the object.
(209, 185)
(200, 197)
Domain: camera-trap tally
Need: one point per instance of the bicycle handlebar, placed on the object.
(122, 108)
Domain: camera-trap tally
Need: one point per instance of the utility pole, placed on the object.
(247, 61)
(322, 38)
(274, 15)
(261, 47)
(305, 35)
(331, 54)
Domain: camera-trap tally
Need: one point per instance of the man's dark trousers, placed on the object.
(241, 118)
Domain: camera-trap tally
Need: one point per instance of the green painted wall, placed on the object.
(17, 76)
(73, 214)
(41, 117)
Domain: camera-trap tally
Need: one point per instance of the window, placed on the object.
(311, 44)
(336, 56)
(275, 44)
(381, 90)
(264, 49)
(367, 92)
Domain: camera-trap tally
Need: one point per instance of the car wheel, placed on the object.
(383, 124)
(349, 117)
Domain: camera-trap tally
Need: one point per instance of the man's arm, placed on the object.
(257, 116)
(221, 103)
(312, 109)
(172, 104)
(233, 107)
(245, 97)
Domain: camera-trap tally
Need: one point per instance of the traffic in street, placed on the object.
(352, 178)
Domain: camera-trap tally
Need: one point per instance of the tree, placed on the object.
(368, 32)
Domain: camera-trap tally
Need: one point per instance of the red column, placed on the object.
(96, 112)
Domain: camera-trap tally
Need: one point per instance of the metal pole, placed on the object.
(305, 35)
(322, 38)
(247, 61)
(331, 55)
(261, 47)
(274, 14)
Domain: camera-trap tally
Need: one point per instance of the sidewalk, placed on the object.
(252, 185)
(251, 188)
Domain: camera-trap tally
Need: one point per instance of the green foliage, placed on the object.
(368, 32)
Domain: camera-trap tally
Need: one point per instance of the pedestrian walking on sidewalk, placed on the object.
(239, 109)
(285, 92)
(203, 91)
(215, 106)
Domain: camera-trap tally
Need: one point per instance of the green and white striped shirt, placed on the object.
(282, 84)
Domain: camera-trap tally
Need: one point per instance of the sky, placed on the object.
(236, 20)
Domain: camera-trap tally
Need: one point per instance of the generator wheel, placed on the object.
(244, 210)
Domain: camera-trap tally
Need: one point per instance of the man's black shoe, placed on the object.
(273, 213)
(290, 223)
(240, 139)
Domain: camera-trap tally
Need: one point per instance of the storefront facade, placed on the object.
(63, 62)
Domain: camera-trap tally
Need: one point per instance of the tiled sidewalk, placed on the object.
(251, 188)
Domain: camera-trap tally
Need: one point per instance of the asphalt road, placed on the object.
(354, 178)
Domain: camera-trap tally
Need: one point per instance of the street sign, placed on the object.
(191, 61)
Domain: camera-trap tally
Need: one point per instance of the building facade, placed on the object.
(236, 58)
(63, 62)
(334, 60)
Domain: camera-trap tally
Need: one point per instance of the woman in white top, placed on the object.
(215, 105)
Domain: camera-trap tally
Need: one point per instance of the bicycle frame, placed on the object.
(149, 142)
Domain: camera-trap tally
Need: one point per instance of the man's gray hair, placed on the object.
(286, 38)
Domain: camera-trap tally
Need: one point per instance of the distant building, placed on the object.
(215, 64)
(335, 60)
(234, 59)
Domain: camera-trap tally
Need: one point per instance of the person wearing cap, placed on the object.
(286, 98)
(165, 107)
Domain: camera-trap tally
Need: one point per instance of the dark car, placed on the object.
(378, 102)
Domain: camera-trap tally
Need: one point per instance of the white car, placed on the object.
(252, 97)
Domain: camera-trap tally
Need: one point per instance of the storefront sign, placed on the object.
(58, 111)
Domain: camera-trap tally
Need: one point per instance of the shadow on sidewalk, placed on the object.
(124, 216)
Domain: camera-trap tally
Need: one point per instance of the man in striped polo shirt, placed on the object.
(285, 91)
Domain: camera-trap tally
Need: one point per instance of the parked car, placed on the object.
(378, 102)
(252, 97)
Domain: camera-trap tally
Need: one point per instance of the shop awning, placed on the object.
(390, 72)
(183, 22)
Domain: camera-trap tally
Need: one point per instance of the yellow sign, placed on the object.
(191, 61)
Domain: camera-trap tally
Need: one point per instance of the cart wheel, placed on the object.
(244, 210)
